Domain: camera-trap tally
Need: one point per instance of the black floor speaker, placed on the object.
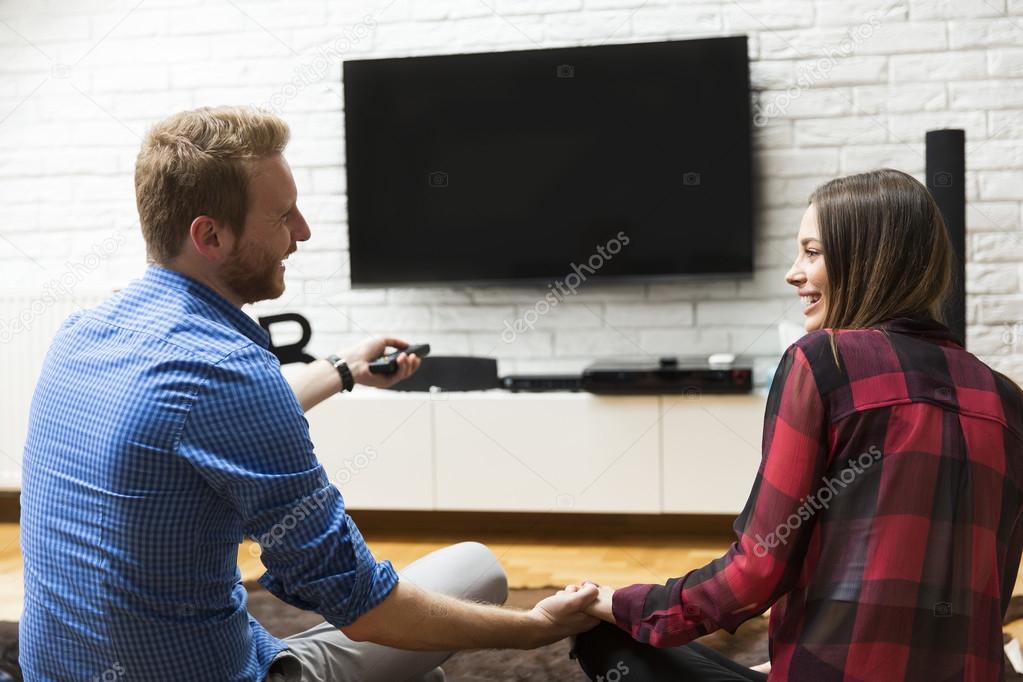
(946, 180)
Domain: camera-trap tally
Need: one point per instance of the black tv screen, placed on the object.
(477, 168)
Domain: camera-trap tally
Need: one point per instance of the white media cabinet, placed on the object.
(540, 452)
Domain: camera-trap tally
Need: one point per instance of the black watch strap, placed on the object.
(347, 380)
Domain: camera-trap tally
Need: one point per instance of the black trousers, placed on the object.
(608, 654)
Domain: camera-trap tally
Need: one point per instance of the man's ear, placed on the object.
(210, 238)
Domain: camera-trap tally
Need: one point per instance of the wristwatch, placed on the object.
(347, 380)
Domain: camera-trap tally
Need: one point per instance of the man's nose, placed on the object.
(300, 228)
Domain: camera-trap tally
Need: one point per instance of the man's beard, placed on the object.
(253, 275)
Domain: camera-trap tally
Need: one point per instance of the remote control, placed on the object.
(388, 364)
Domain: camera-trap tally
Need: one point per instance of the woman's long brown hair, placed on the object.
(886, 250)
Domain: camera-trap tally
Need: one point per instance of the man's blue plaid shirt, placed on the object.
(161, 433)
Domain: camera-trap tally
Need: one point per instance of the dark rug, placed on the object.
(748, 646)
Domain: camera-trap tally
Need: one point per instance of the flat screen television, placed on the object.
(515, 166)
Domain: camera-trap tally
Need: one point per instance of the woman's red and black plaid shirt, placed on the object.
(883, 529)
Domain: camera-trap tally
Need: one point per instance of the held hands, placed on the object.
(563, 614)
(358, 358)
(601, 606)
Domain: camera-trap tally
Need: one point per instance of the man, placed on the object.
(162, 432)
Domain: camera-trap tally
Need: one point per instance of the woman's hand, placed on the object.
(358, 358)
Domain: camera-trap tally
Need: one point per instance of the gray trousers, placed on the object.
(467, 570)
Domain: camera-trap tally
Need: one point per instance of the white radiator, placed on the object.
(28, 321)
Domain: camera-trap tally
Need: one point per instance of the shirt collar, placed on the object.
(226, 311)
(922, 326)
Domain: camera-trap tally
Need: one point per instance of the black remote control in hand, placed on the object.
(388, 364)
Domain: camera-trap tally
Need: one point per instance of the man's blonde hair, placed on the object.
(197, 163)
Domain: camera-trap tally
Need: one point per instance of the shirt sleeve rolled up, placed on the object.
(248, 438)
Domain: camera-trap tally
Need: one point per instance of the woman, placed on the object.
(883, 529)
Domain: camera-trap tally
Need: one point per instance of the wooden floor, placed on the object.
(530, 562)
(548, 565)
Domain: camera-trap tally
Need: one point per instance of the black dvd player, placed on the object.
(667, 375)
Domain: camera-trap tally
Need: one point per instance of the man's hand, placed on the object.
(417, 619)
(564, 614)
(601, 606)
(359, 357)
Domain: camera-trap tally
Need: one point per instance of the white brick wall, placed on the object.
(841, 86)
